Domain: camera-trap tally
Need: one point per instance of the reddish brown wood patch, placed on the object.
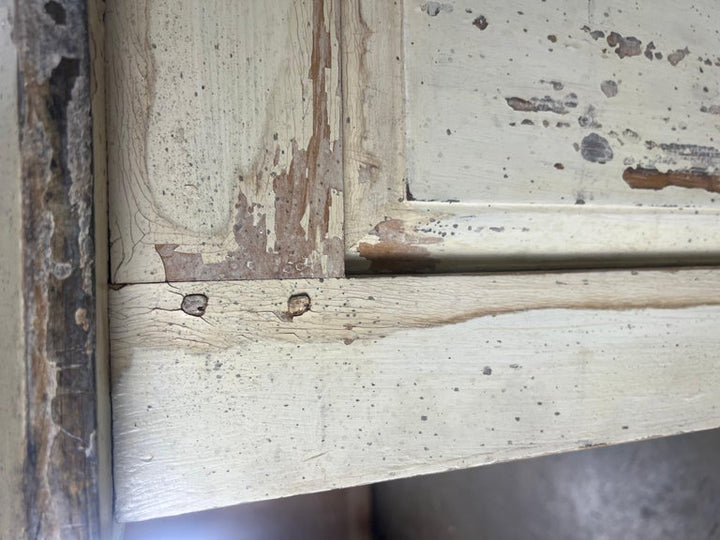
(640, 178)
(398, 250)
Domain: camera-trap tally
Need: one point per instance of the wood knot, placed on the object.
(194, 304)
(298, 304)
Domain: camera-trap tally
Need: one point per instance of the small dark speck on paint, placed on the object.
(517, 418)
(423, 418)
(552, 38)
(480, 22)
(625, 427)
(487, 370)
(559, 166)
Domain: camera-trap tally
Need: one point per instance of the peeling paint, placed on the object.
(589, 119)
(649, 48)
(678, 56)
(303, 197)
(596, 149)
(626, 46)
(435, 8)
(640, 178)
(701, 156)
(544, 104)
(609, 88)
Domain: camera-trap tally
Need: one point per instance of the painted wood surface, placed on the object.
(237, 391)
(224, 147)
(563, 102)
(63, 455)
(506, 135)
(12, 367)
(109, 528)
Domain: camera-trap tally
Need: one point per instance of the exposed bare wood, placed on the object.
(516, 126)
(225, 159)
(60, 461)
(391, 377)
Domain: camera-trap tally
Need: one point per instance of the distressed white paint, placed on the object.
(207, 102)
(441, 72)
(393, 377)
(459, 77)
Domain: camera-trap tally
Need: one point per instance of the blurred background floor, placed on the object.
(657, 489)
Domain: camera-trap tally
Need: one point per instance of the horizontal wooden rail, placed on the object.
(227, 392)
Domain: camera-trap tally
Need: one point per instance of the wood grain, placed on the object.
(390, 377)
(225, 160)
(373, 104)
(60, 460)
(479, 136)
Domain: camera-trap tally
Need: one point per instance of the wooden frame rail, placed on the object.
(226, 392)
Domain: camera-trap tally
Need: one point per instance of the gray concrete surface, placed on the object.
(660, 489)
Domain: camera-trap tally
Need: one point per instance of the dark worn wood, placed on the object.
(61, 465)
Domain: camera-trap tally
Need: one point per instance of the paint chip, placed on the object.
(625, 46)
(609, 88)
(676, 57)
(596, 149)
(640, 178)
(543, 104)
(434, 8)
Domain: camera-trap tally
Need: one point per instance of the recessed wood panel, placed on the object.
(492, 135)
(563, 102)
